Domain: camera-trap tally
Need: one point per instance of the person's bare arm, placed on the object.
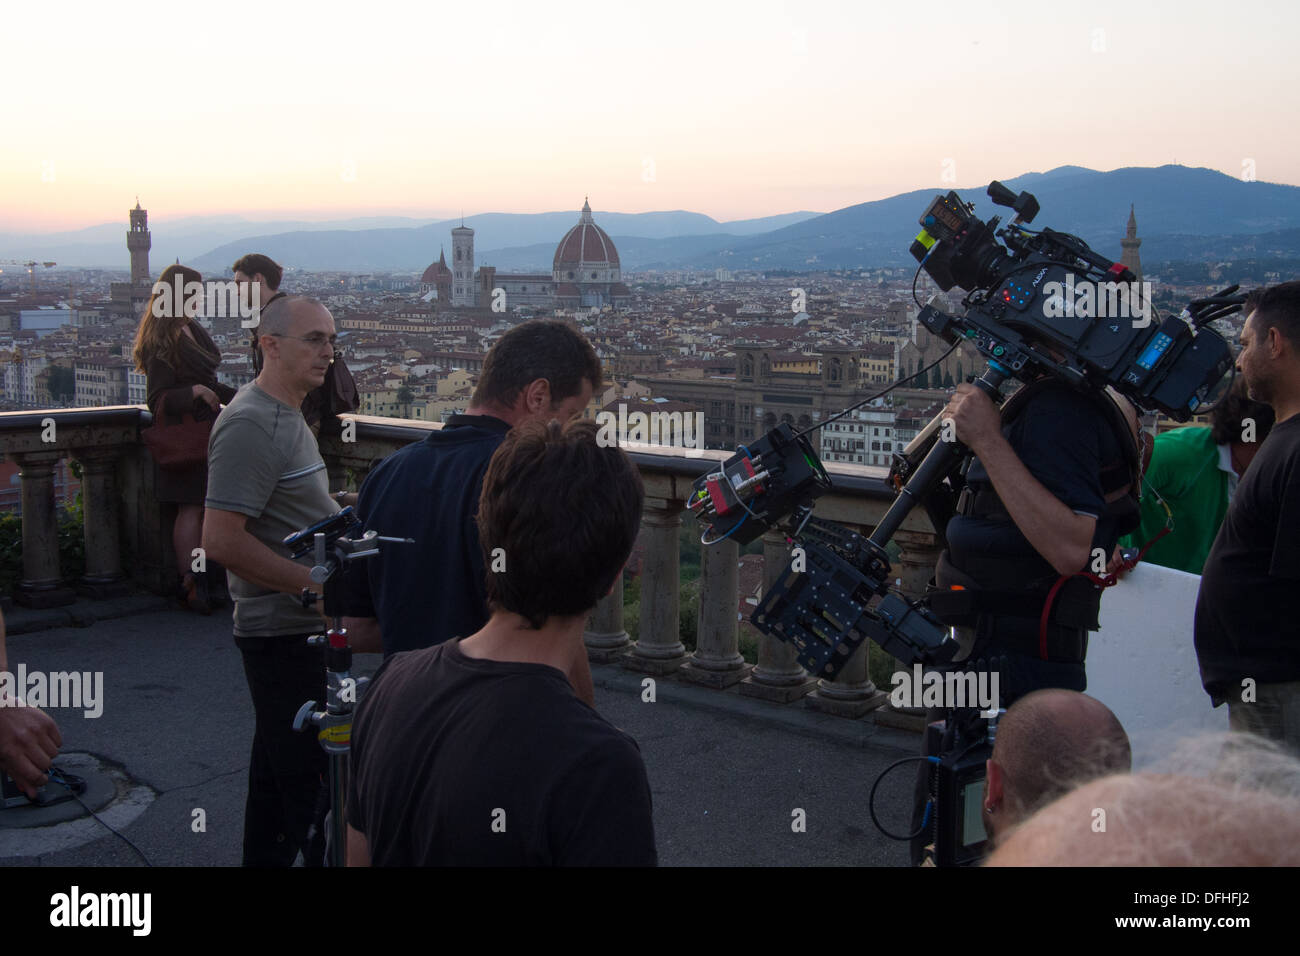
(227, 540)
(1063, 538)
(364, 635)
(358, 848)
(29, 737)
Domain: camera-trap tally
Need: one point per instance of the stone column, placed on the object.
(717, 661)
(605, 637)
(914, 568)
(103, 577)
(852, 693)
(659, 650)
(42, 586)
(778, 675)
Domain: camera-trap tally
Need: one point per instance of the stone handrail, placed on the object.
(859, 498)
(123, 518)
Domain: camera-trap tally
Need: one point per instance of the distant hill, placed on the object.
(1182, 213)
(212, 243)
(1176, 206)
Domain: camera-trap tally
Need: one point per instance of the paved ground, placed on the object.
(727, 772)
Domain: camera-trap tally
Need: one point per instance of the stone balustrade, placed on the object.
(859, 498)
(127, 538)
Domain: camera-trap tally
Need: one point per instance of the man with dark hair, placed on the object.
(262, 271)
(432, 591)
(338, 393)
(1246, 636)
(1194, 471)
(1048, 743)
(482, 751)
(266, 480)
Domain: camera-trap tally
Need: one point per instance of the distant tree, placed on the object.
(935, 380)
(404, 396)
(961, 373)
(947, 380)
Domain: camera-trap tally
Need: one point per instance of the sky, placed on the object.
(328, 110)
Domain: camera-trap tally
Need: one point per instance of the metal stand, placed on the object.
(343, 692)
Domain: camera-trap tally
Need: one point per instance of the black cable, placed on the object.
(70, 781)
(871, 800)
(871, 398)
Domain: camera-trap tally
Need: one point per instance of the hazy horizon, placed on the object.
(736, 111)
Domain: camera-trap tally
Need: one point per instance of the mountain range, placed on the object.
(1182, 213)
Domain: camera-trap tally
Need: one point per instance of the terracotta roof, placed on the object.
(586, 244)
(437, 271)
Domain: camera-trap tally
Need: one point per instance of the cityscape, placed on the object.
(810, 249)
(746, 349)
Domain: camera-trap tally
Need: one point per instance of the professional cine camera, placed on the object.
(1046, 292)
(1037, 303)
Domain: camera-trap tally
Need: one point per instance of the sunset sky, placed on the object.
(328, 110)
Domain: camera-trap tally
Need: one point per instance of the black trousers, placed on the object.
(286, 769)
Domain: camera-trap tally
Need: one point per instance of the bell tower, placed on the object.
(138, 243)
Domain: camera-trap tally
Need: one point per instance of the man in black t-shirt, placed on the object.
(414, 596)
(480, 751)
(1248, 608)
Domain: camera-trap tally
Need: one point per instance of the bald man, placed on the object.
(1048, 743)
(266, 480)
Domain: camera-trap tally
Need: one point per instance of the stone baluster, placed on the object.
(717, 661)
(778, 675)
(103, 577)
(42, 585)
(659, 650)
(914, 569)
(605, 637)
(852, 693)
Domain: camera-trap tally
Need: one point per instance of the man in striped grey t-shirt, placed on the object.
(266, 479)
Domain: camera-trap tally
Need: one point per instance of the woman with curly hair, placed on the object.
(180, 361)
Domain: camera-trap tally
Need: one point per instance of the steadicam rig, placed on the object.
(821, 605)
(757, 489)
(823, 602)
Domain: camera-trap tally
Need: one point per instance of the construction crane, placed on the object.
(30, 265)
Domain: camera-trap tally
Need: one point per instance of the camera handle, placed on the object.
(343, 692)
(935, 466)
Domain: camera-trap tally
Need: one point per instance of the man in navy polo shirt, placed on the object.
(414, 596)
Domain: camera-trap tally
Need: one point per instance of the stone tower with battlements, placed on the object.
(137, 243)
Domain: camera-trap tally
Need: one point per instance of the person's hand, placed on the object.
(208, 395)
(974, 416)
(29, 741)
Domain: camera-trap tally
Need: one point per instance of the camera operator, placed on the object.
(1049, 484)
(1049, 742)
(1045, 490)
(481, 751)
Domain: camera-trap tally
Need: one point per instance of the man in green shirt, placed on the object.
(1194, 470)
